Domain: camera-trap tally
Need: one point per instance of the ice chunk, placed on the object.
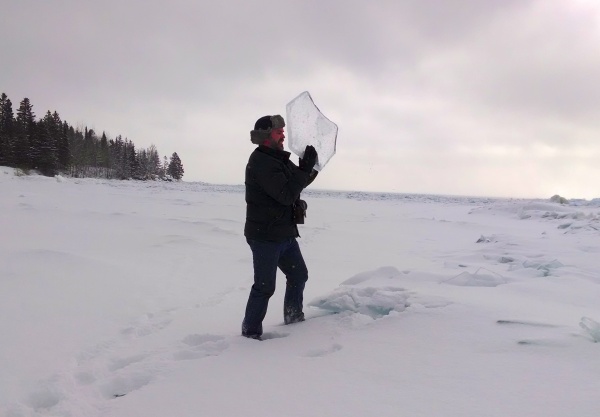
(486, 239)
(544, 267)
(506, 259)
(592, 327)
(481, 278)
(306, 125)
(370, 301)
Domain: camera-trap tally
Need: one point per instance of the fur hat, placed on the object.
(264, 126)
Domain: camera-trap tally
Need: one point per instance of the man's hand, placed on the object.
(308, 161)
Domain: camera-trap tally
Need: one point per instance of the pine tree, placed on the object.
(35, 145)
(125, 158)
(132, 161)
(89, 145)
(141, 168)
(45, 157)
(63, 151)
(117, 154)
(153, 162)
(75, 139)
(103, 154)
(175, 169)
(51, 145)
(25, 130)
(165, 167)
(6, 131)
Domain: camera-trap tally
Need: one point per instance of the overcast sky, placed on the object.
(463, 97)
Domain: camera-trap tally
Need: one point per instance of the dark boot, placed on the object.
(292, 316)
(253, 336)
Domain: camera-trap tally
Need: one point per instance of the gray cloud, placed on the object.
(472, 97)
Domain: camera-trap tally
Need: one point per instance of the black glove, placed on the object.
(308, 161)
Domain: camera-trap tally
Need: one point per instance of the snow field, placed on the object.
(125, 299)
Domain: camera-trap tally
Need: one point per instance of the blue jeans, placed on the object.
(267, 257)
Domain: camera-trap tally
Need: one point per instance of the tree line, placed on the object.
(52, 146)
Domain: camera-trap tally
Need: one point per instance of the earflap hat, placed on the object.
(264, 126)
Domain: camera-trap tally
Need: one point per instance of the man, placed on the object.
(273, 187)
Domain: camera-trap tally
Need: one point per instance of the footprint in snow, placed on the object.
(120, 363)
(200, 346)
(274, 335)
(148, 324)
(317, 353)
(123, 385)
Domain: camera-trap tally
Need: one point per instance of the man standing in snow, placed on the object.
(273, 187)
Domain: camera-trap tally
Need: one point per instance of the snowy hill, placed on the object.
(126, 299)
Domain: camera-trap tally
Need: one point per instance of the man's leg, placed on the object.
(293, 266)
(265, 257)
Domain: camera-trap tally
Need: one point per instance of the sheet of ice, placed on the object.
(592, 327)
(480, 278)
(365, 294)
(306, 125)
(125, 299)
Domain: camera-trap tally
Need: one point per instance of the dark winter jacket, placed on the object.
(273, 184)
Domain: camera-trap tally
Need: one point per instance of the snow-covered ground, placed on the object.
(125, 299)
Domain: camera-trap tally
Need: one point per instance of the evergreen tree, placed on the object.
(51, 145)
(63, 151)
(75, 139)
(24, 132)
(132, 162)
(125, 160)
(103, 153)
(165, 167)
(45, 158)
(175, 169)
(117, 155)
(90, 149)
(141, 169)
(35, 145)
(6, 131)
(153, 162)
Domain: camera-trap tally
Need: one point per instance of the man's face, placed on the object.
(276, 139)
